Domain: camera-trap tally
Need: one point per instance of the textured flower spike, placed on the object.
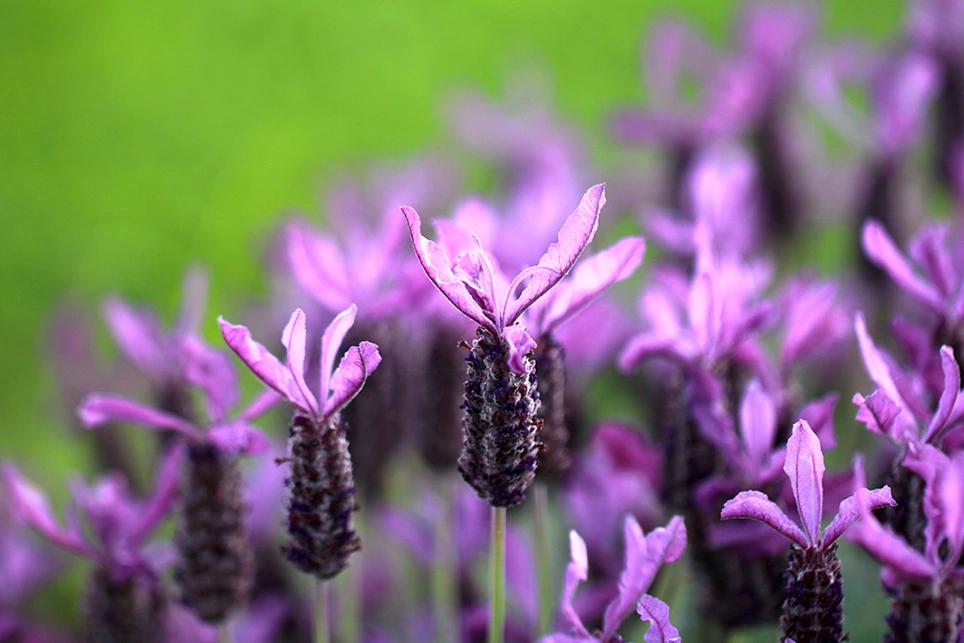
(123, 600)
(322, 486)
(813, 608)
(645, 554)
(925, 585)
(211, 520)
(499, 455)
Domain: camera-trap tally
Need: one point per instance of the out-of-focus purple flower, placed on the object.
(924, 584)
(814, 321)
(471, 282)
(896, 409)
(805, 468)
(259, 624)
(139, 335)
(645, 554)
(212, 372)
(117, 525)
(617, 475)
(337, 386)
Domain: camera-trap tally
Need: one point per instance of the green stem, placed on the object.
(322, 620)
(497, 613)
(224, 633)
(540, 528)
(445, 568)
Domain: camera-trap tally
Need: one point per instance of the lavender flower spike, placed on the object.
(813, 608)
(645, 554)
(322, 485)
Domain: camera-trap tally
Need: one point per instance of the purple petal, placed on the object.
(950, 494)
(848, 512)
(575, 235)
(263, 364)
(239, 438)
(882, 250)
(805, 469)
(878, 412)
(319, 267)
(295, 338)
(161, 500)
(436, 265)
(29, 504)
(355, 367)
(644, 556)
(520, 345)
(331, 342)
(194, 301)
(213, 373)
(259, 405)
(656, 612)
(758, 423)
(577, 571)
(138, 335)
(754, 505)
(819, 415)
(648, 346)
(98, 409)
(590, 278)
(882, 544)
(952, 387)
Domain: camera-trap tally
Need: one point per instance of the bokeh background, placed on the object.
(139, 138)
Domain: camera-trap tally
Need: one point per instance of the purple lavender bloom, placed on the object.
(123, 596)
(500, 423)
(214, 374)
(813, 607)
(645, 554)
(155, 352)
(925, 585)
(322, 487)
(470, 282)
(615, 476)
(933, 280)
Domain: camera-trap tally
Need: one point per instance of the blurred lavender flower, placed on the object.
(645, 554)
(499, 456)
(123, 600)
(322, 487)
(215, 562)
(813, 608)
(925, 585)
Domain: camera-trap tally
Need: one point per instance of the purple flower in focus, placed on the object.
(805, 468)
(337, 386)
(645, 554)
(813, 607)
(471, 283)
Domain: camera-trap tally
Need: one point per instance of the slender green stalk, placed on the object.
(322, 618)
(540, 529)
(224, 633)
(445, 568)
(497, 612)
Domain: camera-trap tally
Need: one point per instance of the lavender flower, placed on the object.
(215, 565)
(813, 608)
(645, 554)
(322, 487)
(123, 599)
(925, 585)
(499, 455)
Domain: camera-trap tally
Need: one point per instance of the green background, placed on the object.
(137, 138)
